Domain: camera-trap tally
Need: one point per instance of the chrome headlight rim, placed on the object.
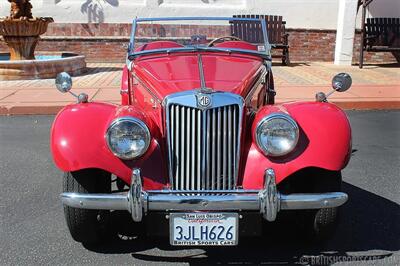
(268, 118)
(135, 120)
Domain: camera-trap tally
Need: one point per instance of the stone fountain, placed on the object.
(21, 30)
(21, 33)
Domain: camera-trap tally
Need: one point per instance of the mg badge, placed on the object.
(203, 101)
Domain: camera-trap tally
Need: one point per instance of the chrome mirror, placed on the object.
(63, 82)
(341, 82)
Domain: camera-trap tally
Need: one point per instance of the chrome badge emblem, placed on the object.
(203, 101)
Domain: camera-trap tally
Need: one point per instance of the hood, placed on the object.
(174, 73)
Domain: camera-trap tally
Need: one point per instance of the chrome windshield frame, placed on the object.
(131, 55)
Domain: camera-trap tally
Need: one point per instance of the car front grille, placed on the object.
(203, 146)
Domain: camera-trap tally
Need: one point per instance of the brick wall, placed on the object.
(311, 45)
(373, 57)
(104, 42)
(97, 50)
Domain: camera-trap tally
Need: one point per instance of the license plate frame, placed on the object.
(207, 220)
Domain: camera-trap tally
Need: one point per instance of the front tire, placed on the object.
(87, 226)
(315, 225)
(321, 224)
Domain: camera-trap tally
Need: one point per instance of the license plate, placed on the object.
(204, 229)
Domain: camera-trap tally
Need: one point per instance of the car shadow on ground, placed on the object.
(292, 64)
(380, 65)
(369, 224)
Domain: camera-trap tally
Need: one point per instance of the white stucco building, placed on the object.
(338, 15)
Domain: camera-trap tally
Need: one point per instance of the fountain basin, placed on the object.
(45, 65)
(22, 36)
(21, 28)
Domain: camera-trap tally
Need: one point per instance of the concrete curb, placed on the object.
(370, 105)
(30, 110)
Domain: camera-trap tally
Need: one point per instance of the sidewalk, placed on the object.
(374, 87)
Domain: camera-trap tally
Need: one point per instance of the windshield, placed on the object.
(158, 35)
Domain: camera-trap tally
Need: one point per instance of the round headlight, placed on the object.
(277, 134)
(128, 138)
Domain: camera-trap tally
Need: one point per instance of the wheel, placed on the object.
(320, 224)
(313, 225)
(87, 226)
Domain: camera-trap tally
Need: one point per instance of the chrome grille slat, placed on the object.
(219, 147)
(203, 151)
(214, 149)
(208, 150)
(176, 146)
(230, 161)
(203, 146)
(198, 150)
(173, 121)
(224, 147)
(182, 149)
(235, 132)
(193, 150)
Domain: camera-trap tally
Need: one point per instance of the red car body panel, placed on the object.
(78, 132)
(324, 142)
(78, 142)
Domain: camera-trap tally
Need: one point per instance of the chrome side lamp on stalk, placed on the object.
(64, 84)
(341, 82)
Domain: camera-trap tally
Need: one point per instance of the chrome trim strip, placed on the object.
(201, 72)
(118, 202)
(261, 72)
(312, 200)
(146, 87)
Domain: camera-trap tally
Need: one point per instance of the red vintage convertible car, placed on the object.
(197, 148)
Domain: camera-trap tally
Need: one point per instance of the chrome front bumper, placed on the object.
(267, 201)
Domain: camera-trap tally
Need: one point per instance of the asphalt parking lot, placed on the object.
(33, 230)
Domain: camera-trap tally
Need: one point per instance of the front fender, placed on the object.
(77, 142)
(324, 142)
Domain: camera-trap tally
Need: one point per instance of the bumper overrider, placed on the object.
(267, 201)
